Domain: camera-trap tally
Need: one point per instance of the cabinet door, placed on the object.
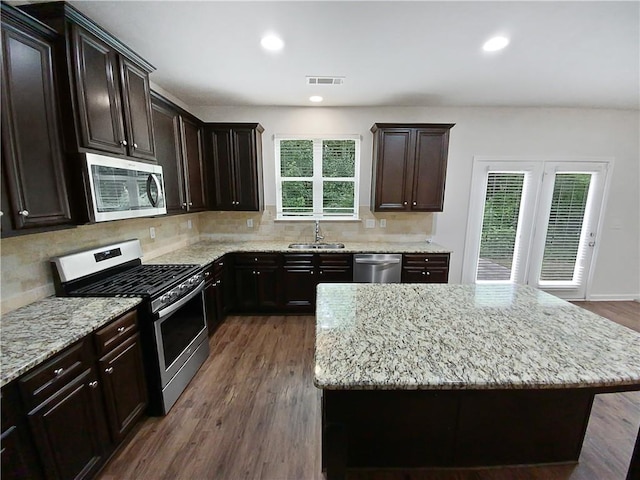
(394, 167)
(99, 108)
(18, 459)
(268, 286)
(221, 175)
(69, 430)
(246, 282)
(124, 386)
(166, 125)
(430, 168)
(299, 288)
(35, 193)
(192, 157)
(136, 99)
(245, 169)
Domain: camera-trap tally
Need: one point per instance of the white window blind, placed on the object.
(565, 227)
(317, 177)
(500, 226)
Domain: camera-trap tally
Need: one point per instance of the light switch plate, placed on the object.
(189, 224)
(250, 222)
(370, 223)
(383, 223)
(152, 232)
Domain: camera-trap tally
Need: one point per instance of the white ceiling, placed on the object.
(562, 54)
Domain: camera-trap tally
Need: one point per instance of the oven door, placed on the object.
(179, 329)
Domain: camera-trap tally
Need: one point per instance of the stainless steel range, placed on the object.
(172, 317)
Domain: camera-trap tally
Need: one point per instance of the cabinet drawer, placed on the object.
(428, 260)
(260, 259)
(112, 335)
(335, 259)
(53, 375)
(425, 275)
(298, 259)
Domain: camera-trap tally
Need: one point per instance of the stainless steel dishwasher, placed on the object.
(377, 267)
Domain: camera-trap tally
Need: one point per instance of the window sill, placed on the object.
(313, 220)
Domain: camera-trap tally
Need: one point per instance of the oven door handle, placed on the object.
(165, 312)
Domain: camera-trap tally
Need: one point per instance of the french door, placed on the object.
(535, 223)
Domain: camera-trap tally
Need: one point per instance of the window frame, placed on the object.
(317, 179)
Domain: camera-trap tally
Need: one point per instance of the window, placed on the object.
(317, 177)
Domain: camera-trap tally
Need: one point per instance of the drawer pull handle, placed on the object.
(415, 203)
(428, 273)
(123, 143)
(218, 282)
(426, 259)
(207, 274)
(424, 273)
(93, 384)
(221, 264)
(109, 370)
(404, 203)
(58, 371)
(120, 329)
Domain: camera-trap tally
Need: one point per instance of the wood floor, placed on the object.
(252, 412)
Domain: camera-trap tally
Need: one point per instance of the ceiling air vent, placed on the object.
(325, 80)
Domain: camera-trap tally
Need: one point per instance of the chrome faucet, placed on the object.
(318, 236)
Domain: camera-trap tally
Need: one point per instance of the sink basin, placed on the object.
(316, 245)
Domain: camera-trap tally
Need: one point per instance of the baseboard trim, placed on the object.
(604, 297)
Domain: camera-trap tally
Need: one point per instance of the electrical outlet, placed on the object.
(370, 223)
(383, 223)
(152, 232)
(250, 222)
(189, 224)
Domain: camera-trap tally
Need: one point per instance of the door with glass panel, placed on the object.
(566, 227)
(534, 223)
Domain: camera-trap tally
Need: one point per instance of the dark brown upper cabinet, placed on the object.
(34, 191)
(108, 106)
(179, 149)
(234, 169)
(409, 167)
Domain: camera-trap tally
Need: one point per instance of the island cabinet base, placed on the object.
(452, 428)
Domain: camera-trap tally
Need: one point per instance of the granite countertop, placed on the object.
(439, 336)
(36, 332)
(205, 252)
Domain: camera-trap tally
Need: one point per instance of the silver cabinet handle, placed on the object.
(404, 203)
(109, 370)
(123, 143)
(1, 213)
(58, 371)
(221, 264)
(415, 203)
(135, 145)
(428, 273)
(254, 272)
(24, 213)
(426, 259)
(207, 274)
(120, 329)
(218, 282)
(258, 273)
(311, 272)
(184, 205)
(190, 204)
(93, 384)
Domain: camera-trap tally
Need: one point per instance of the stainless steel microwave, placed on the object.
(122, 188)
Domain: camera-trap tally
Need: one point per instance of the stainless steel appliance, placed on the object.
(122, 188)
(377, 268)
(172, 316)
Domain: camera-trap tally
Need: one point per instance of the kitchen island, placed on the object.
(433, 375)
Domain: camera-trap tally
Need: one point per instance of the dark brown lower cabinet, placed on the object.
(18, 456)
(123, 383)
(69, 429)
(216, 294)
(257, 278)
(67, 418)
(425, 268)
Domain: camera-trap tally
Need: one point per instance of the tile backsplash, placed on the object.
(26, 274)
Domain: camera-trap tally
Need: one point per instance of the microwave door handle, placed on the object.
(153, 177)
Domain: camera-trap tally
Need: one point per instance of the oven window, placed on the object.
(179, 330)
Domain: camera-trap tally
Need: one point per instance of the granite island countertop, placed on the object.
(207, 251)
(441, 336)
(36, 332)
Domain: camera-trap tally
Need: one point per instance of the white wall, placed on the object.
(518, 132)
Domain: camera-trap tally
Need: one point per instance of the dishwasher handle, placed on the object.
(377, 262)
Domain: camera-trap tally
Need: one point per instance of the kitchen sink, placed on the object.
(316, 245)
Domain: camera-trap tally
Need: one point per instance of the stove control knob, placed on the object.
(165, 298)
(183, 287)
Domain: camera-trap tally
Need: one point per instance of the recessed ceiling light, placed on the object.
(315, 98)
(495, 43)
(272, 42)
